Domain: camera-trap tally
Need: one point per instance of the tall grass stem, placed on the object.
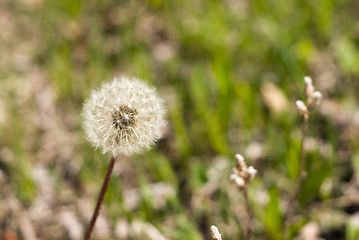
(248, 230)
(302, 173)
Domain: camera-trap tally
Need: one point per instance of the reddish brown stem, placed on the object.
(100, 198)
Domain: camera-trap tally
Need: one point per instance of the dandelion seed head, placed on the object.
(124, 117)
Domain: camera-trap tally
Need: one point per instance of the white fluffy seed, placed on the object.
(124, 117)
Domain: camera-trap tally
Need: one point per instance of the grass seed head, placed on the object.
(215, 233)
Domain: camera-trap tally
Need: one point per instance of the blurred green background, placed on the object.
(230, 72)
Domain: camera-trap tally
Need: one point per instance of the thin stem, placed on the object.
(302, 170)
(302, 152)
(248, 230)
(100, 198)
(302, 161)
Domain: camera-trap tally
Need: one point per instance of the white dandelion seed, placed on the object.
(124, 117)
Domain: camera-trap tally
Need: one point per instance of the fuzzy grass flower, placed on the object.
(215, 233)
(241, 176)
(124, 117)
(313, 98)
(241, 173)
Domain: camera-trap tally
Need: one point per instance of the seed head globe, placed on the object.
(124, 116)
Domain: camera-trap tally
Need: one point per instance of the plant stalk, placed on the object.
(100, 198)
(302, 170)
(248, 230)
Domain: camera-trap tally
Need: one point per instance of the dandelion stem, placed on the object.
(302, 170)
(100, 198)
(248, 230)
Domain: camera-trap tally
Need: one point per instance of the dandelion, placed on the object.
(123, 117)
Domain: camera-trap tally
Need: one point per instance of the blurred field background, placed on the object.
(230, 72)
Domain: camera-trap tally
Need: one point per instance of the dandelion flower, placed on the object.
(124, 117)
